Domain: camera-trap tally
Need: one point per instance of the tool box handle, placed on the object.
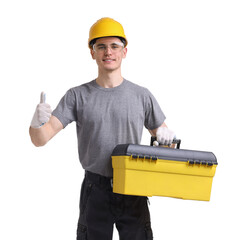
(175, 141)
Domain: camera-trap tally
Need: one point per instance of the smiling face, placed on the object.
(108, 53)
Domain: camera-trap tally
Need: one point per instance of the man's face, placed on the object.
(108, 53)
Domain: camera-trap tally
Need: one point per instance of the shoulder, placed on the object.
(78, 93)
(136, 88)
(81, 90)
(82, 87)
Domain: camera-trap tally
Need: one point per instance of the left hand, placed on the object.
(165, 136)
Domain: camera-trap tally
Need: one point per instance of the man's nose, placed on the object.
(108, 50)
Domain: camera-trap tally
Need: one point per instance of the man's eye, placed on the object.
(101, 47)
(114, 46)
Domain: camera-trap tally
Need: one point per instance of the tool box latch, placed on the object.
(200, 162)
(147, 157)
(134, 156)
(191, 161)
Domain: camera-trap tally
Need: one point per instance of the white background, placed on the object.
(189, 54)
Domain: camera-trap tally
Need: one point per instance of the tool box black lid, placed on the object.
(154, 153)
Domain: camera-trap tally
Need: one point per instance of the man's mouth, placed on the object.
(108, 60)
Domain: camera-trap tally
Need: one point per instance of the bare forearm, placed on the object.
(40, 136)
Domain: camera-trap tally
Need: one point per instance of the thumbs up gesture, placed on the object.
(42, 113)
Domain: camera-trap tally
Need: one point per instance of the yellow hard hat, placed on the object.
(106, 27)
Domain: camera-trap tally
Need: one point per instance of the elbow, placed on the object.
(38, 143)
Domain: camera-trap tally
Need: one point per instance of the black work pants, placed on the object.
(100, 209)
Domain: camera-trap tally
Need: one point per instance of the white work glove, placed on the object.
(165, 136)
(42, 113)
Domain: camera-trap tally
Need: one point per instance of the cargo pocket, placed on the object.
(85, 196)
(81, 232)
(148, 231)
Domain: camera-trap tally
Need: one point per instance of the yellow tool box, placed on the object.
(161, 171)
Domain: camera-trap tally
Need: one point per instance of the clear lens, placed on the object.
(114, 47)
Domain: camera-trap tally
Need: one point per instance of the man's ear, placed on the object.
(92, 53)
(125, 50)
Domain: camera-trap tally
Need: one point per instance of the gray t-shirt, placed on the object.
(106, 117)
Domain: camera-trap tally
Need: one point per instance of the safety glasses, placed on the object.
(114, 47)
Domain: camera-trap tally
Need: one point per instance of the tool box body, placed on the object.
(159, 171)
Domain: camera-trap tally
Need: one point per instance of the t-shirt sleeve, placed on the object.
(66, 109)
(154, 117)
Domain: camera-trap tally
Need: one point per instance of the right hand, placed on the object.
(165, 136)
(42, 113)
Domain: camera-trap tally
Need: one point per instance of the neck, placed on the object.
(109, 79)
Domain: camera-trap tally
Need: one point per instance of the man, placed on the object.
(108, 111)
